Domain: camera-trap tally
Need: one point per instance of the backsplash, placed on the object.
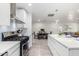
(13, 27)
(3, 29)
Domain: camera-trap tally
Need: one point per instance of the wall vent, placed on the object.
(51, 15)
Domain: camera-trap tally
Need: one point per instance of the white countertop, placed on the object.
(70, 43)
(6, 45)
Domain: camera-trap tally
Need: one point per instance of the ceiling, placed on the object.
(64, 12)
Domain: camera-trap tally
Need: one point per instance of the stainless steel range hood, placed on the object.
(17, 20)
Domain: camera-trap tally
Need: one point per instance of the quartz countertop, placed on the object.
(68, 42)
(6, 45)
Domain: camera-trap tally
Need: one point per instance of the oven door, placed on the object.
(25, 49)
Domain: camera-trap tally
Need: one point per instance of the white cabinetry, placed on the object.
(51, 45)
(11, 47)
(29, 28)
(57, 48)
(20, 14)
(26, 17)
(14, 51)
(4, 14)
(60, 49)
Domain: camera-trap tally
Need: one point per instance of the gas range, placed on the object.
(23, 42)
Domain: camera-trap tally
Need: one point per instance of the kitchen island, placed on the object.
(60, 45)
(12, 48)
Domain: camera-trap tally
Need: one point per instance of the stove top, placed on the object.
(16, 38)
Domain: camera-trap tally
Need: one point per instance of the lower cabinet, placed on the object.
(14, 51)
(51, 45)
(56, 48)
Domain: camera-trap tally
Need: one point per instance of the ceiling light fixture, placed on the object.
(78, 10)
(29, 4)
(38, 20)
(71, 15)
(57, 21)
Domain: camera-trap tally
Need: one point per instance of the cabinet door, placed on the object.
(57, 48)
(20, 14)
(14, 51)
(4, 14)
(51, 44)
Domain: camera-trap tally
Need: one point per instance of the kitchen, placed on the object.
(22, 24)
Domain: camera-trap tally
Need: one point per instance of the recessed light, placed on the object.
(57, 20)
(38, 20)
(29, 4)
(77, 18)
(78, 10)
(70, 17)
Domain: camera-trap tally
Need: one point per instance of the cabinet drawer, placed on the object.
(16, 52)
(62, 50)
(52, 49)
(11, 50)
(57, 48)
(51, 45)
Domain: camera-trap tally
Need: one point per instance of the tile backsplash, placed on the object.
(13, 27)
(4, 29)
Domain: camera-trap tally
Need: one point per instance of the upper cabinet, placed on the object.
(4, 14)
(20, 14)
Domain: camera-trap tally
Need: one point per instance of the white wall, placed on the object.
(3, 29)
(5, 14)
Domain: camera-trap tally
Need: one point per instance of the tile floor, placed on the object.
(39, 48)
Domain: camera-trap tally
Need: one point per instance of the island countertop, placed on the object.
(70, 43)
(6, 45)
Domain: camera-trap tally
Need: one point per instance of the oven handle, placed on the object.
(24, 43)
